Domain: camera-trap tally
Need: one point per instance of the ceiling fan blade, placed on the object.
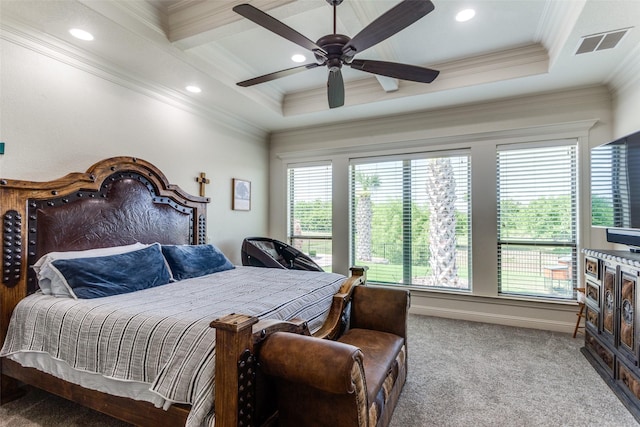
(276, 75)
(395, 70)
(394, 20)
(335, 88)
(272, 24)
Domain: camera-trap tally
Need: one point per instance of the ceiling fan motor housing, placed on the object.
(332, 44)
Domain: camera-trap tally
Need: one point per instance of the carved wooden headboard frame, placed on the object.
(118, 201)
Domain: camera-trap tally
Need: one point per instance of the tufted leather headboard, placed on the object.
(118, 201)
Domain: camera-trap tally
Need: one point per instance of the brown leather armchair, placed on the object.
(354, 381)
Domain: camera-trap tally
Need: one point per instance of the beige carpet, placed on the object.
(460, 374)
(476, 374)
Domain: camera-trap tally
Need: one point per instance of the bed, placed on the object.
(163, 344)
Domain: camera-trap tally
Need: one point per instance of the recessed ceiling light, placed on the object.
(465, 15)
(81, 34)
(298, 58)
(193, 89)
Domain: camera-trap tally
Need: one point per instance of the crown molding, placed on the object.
(149, 21)
(227, 71)
(200, 17)
(22, 35)
(627, 74)
(446, 125)
(203, 22)
(492, 67)
(180, 5)
(131, 14)
(419, 141)
(558, 20)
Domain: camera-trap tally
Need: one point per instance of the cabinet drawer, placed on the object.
(628, 381)
(592, 268)
(592, 317)
(592, 294)
(601, 353)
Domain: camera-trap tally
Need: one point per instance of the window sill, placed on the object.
(463, 295)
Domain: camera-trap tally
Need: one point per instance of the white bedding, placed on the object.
(161, 336)
(136, 390)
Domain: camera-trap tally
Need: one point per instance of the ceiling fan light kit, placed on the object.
(335, 50)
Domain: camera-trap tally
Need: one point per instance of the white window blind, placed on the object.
(410, 219)
(310, 211)
(537, 220)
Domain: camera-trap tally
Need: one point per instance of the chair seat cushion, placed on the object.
(380, 350)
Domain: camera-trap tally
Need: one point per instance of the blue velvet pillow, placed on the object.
(49, 279)
(188, 261)
(103, 276)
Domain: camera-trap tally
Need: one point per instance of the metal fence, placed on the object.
(537, 270)
(523, 270)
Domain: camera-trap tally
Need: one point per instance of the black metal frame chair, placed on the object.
(271, 253)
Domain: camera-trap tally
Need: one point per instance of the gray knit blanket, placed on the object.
(161, 335)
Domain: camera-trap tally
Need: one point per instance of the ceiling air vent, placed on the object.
(601, 41)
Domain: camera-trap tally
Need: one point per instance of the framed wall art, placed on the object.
(241, 195)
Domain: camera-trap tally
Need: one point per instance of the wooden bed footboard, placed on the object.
(136, 412)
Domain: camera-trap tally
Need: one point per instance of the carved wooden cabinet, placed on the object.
(612, 329)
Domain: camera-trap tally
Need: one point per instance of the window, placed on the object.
(610, 192)
(411, 219)
(537, 220)
(309, 201)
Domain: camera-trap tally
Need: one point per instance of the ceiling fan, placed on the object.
(335, 50)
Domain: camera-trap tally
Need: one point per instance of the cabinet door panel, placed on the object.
(627, 310)
(627, 305)
(608, 301)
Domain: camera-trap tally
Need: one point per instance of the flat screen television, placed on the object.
(615, 189)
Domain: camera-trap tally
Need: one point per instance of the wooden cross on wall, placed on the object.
(202, 180)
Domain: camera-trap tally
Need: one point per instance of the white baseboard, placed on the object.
(500, 319)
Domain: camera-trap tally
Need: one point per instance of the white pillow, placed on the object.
(48, 279)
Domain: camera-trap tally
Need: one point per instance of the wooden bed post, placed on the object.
(235, 370)
(358, 271)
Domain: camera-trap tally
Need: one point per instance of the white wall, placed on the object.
(584, 114)
(57, 118)
(626, 103)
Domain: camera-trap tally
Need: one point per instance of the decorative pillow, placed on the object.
(103, 276)
(188, 261)
(45, 274)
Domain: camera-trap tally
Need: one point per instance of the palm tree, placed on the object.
(441, 190)
(364, 215)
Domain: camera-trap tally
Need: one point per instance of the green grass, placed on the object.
(392, 273)
(516, 283)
